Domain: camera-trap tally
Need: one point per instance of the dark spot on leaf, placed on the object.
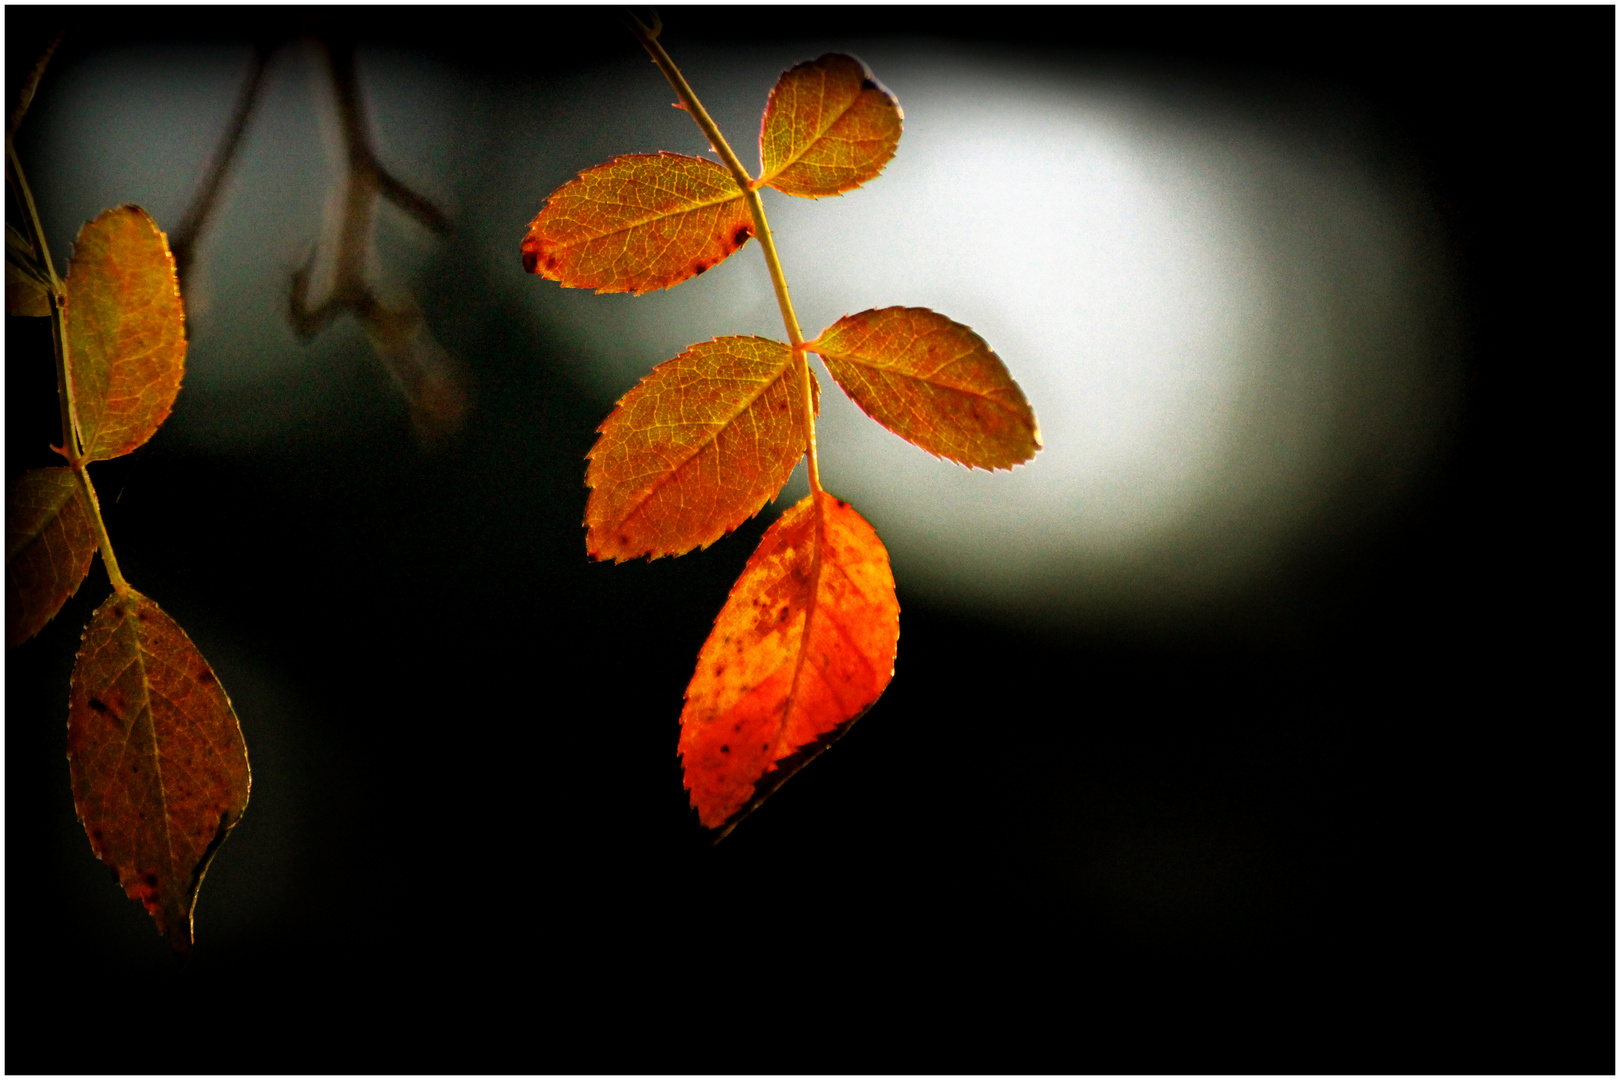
(736, 727)
(719, 670)
(868, 84)
(725, 749)
(205, 676)
(150, 879)
(742, 235)
(99, 706)
(698, 268)
(765, 746)
(531, 260)
(134, 768)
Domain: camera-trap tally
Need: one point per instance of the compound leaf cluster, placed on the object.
(155, 752)
(806, 641)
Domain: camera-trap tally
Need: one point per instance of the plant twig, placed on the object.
(193, 225)
(26, 98)
(424, 372)
(70, 448)
(648, 36)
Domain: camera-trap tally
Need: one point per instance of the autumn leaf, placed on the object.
(159, 770)
(804, 645)
(639, 222)
(829, 127)
(126, 331)
(27, 292)
(933, 382)
(49, 543)
(695, 449)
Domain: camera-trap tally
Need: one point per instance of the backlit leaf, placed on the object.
(829, 127)
(126, 331)
(639, 222)
(49, 543)
(695, 449)
(26, 290)
(804, 645)
(933, 382)
(159, 769)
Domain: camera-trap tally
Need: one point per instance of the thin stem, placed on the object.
(648, 36)
(64, 386)
(70, 448)
(120, 586)
(26, 98)
(33, 216)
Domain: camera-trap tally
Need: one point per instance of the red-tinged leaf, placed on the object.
(804, 645)
(829, 127)
(695, 449)
(126, 331)
(159, 770)
(49, 543)
(933, 382)
(639, 222)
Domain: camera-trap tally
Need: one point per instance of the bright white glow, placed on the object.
(1215, 320)
(1230, 323)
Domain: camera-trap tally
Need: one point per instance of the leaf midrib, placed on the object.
(669, 474)
(701, 204)
(131, 615)
(29, 537)
(766, 178)
(897, 373)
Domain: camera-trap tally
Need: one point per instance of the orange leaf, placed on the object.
(829, 127)
(49, 543)
(126, 331)
(159, 770)
(639, 222)
(695, 449)
(804, 645)
(933, 382)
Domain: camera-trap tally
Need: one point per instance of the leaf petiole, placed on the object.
(70, 448)
(648, 36)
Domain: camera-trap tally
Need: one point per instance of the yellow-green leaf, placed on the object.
(829, 127)
(49, 544)
(637, 223)
(155, 753)
(934, 383)
(126, 331)
(695, 449)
